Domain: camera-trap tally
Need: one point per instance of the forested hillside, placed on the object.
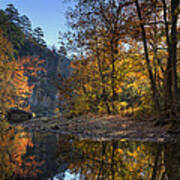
(29, 69)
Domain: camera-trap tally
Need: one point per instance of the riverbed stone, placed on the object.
(17, 116)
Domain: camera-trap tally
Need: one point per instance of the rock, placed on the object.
(15, 115)
(44, 100)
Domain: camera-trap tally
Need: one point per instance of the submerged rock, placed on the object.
(16, 115)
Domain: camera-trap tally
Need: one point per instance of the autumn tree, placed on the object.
(14, 87)
(98, 29)
(5, 64)
(166, 22)
(108, 32)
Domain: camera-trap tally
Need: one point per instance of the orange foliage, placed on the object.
(13, 146)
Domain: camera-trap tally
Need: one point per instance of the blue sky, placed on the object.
(49, 14)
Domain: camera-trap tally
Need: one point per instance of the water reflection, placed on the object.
(118, 160)
(14, 162)
(68, 158)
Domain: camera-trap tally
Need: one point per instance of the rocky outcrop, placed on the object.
(44, 100)
(18, 116)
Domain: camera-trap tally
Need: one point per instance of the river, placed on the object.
(50, 156)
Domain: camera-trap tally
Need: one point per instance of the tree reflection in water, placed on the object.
(13, 146)
(91, 160)
(117, 160)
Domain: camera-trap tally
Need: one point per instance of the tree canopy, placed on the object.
(126, 58)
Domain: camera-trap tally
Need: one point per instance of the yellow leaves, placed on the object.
(120, 106)
(133, 154)
(119, 151)
(123, 104)
(129, 160)
(79, 105)
(101, 107)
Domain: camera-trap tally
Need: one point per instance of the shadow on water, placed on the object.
(48, 156)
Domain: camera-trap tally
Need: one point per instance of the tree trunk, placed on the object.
(174, 16)
(146, 54)
(104, 94)
(113, 47)
(171, 71)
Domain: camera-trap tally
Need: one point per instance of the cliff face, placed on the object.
(44, 100)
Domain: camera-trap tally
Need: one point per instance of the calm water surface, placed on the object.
(48, 156)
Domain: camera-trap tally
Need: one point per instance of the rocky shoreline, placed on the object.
(103, 128)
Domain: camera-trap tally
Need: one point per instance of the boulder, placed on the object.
(15, 115)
